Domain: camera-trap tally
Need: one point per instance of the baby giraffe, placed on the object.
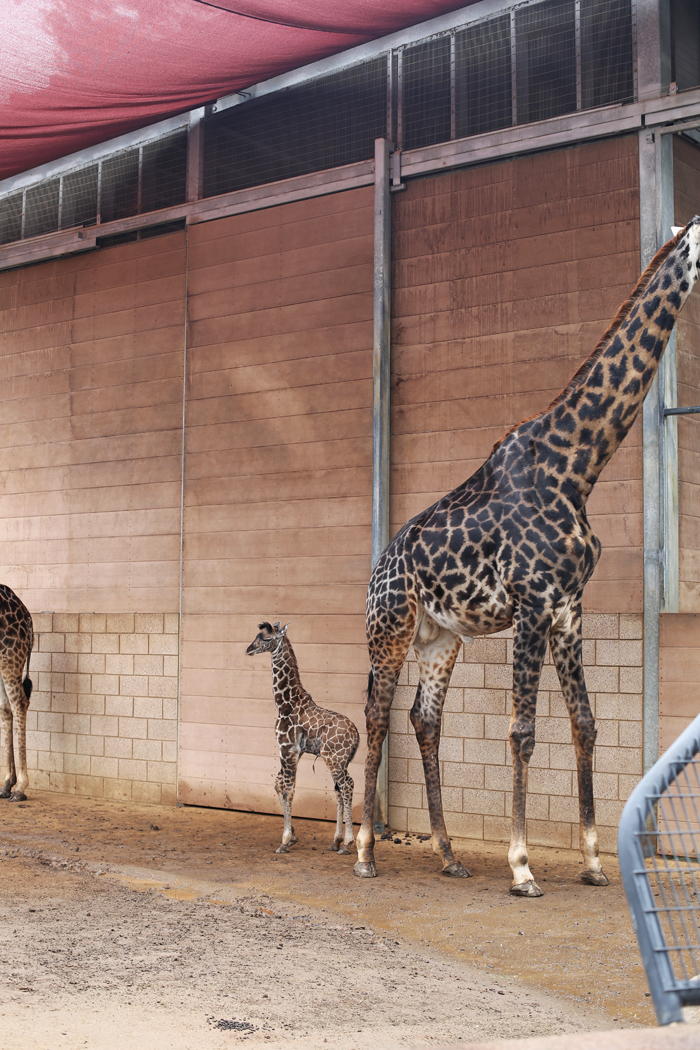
(304, 728)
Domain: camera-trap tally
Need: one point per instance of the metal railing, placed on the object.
(659, 853)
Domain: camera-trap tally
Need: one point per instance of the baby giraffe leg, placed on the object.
(346, 789)
(284, 786)
(338, 837)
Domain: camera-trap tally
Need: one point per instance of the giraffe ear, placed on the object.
(276, 627)
(284, 629)
(675, 230)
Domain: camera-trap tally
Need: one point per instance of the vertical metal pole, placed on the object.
(660, 440)
(650, 472)
(381, 405)
(668, 392)
(194, 155)
(653, 67)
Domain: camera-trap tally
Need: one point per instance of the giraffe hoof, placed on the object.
(345, 849)
(527, 889)
(593, 878)
(365, 870)
(456, 871)
(6, 792)
(18, 796)
(334, 847)
(282, 849)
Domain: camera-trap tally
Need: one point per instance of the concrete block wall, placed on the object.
(475, 761)
(103, 714)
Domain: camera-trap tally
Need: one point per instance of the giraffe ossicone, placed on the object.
(302, 727)
(512, 546)
(16, 643)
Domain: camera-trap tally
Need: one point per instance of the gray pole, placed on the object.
(381, 404)
(652, 489)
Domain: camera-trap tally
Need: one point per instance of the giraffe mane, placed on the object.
(620, 317)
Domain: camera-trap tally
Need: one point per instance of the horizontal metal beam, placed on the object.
(67, 242)
(692, 411)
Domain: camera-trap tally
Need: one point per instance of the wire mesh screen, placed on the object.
(164, 173)
(41, 208)
(323, 124)
(483, 78)
(685, 44)
(426, 93)
(607, 68)
(545, 71)
(79, 197)
(119, 193)
(11, 218)
(659, 849)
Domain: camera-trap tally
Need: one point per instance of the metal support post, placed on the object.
(194, 154)
(381, 404)
(651, 429)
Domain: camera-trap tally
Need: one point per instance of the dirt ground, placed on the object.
(149, 927)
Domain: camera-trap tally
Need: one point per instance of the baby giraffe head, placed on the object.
(268, 639)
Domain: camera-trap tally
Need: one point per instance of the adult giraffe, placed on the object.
(512, 545)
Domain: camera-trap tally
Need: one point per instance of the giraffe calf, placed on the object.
(304, 728)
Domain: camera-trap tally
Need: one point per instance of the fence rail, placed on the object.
(659, 852)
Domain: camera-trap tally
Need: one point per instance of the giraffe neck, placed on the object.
(286, 681)
(586, 424)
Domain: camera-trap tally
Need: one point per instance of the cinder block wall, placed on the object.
(475, 759)
(103, 714)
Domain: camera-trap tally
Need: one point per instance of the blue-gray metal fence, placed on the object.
(659, 852)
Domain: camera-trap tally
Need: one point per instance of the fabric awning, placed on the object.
(78, 72)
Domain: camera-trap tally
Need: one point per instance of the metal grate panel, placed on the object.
(11, 218)
(426, 90)
(329, 122)
(164, 173)
(483, 78)
(607, 71)
(41, 208)
(119, 193)
(545, 71)
(661, 822)
(79, 197)
(685, 44)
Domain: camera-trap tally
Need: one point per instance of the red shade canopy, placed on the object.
(77, 72)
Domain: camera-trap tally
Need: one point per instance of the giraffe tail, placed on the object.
(368, 694)
(27, 683)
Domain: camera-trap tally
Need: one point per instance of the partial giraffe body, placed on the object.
(16, 642)
(512, 545)
(303, 727)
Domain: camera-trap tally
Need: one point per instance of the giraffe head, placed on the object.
(268, 638)
(688, 240)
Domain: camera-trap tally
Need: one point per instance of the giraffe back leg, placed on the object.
(530, 630)
(9, 774)
(383, 686)
(19, 702)
(436, 651)
(566, 645)
(338, 837)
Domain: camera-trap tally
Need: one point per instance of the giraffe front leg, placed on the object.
(530, 629)
(436, 657)
(9, 773)
(284, 786)
(566, 646)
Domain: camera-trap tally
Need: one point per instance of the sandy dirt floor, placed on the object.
(146, 928)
